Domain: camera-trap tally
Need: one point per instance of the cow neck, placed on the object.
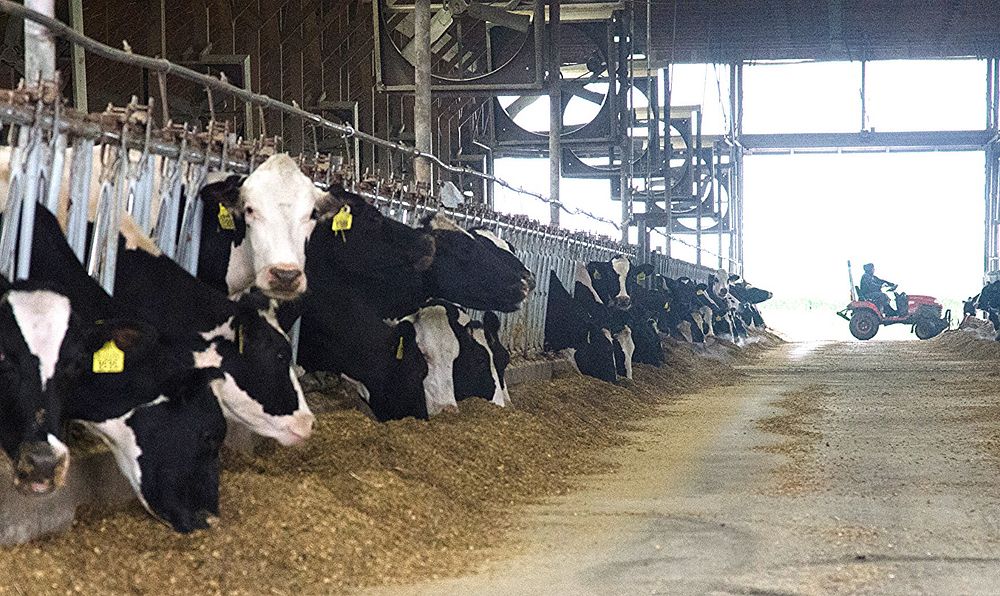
(53, 261)
(177, 303)
(217, 245)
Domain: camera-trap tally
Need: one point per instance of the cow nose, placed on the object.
(623, 302)
(286, 276)
(302, 424)
(39, 468)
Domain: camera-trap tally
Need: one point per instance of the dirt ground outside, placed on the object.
(368, 504)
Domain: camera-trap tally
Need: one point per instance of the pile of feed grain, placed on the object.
(364, 503)
(968, 343)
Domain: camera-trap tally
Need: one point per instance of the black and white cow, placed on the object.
(723, 306)
(570, 326)
(675, 306)
(372, 270)
(40, 356)
(605, 287)
(255, 228)
(464, 357)
(749, 297)
(241, 338)
(475, 268)
(201, 326)
(682, 314)
(158, 413)
(642, 318)
(160, 419)
(417, 366)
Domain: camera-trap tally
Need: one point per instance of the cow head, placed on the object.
(40, 358)
(746, 292)
(168, 449)
(159, 417)
(403, 393)
(371, 245)
(270, 215)
(613, 280)
(718, 283)
(476, 268)
(259, 388)
(480, 367)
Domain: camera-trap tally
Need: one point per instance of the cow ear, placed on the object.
(132, 337)
(224, 192)
(403, 340)
(491, 323)
(644, 269)
(325, 203)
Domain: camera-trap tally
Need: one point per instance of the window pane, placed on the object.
(705, 85)
(802, 97)
(926, 95)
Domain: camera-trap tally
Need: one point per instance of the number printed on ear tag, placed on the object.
(640, 278)
(109, 359)
(226, 218)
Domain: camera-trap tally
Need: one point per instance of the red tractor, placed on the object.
(923, 313)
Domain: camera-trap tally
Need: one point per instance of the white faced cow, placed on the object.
(39, 355)
(255, 229)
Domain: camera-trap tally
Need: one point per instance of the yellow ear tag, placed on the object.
(399, 350)
(239, 338)
(718, 318)
(640, 278)
(666, 307)
(342, 221)
(597, 275)
(701, 292)
(109, 359)
(226, 218)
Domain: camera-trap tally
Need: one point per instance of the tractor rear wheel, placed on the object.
(864, 324)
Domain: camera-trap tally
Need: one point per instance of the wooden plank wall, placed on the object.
(301, 50)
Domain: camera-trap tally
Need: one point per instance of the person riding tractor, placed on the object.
(871, 289)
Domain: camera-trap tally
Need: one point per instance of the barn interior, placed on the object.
(781, 142)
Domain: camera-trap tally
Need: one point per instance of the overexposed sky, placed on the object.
(918, 216)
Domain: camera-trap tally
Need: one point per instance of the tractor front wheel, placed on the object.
(927, 327)
(864, 324)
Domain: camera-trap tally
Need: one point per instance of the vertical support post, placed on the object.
(864, 96)
(39, 45)
(736, 168)
(717, 202)
(422, 117)
(668, 152)
(79, 58)
(988, 225)
(697, 186)
(555, 109)
(625, 45)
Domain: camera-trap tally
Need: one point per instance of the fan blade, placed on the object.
(587, 94)
(499, 16)
(439, 25)
(520, 104)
